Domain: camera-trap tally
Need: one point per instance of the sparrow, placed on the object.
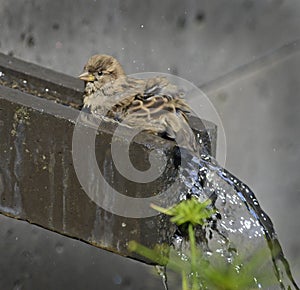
(153, 105)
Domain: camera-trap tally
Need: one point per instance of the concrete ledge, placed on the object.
(38, 182)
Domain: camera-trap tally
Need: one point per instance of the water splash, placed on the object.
(240, 228)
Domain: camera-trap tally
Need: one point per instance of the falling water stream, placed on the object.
(239, 229)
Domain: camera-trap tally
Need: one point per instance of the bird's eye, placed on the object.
(100, 73)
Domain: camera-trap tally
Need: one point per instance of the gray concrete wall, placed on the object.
(199, 41)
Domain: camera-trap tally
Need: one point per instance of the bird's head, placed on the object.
(101, 69)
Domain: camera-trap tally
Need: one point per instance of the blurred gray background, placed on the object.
(199, 41)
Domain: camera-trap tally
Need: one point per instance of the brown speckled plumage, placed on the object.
(153, 104)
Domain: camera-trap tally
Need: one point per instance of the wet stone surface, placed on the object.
(38, 182)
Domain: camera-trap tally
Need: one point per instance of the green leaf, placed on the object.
(188, 211)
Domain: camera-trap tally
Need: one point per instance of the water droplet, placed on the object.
(1, 74)
(247, 224)
(117, 279)
(124, 225)
(142, 25)
(59, 248)
(24, 82)
(169, 69)
(46, 90)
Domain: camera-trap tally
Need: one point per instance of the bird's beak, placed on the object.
(86, 76)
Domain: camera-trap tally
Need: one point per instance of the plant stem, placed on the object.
(184, 281)
(195, 285)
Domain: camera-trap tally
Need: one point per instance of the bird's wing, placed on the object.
(156, 106)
